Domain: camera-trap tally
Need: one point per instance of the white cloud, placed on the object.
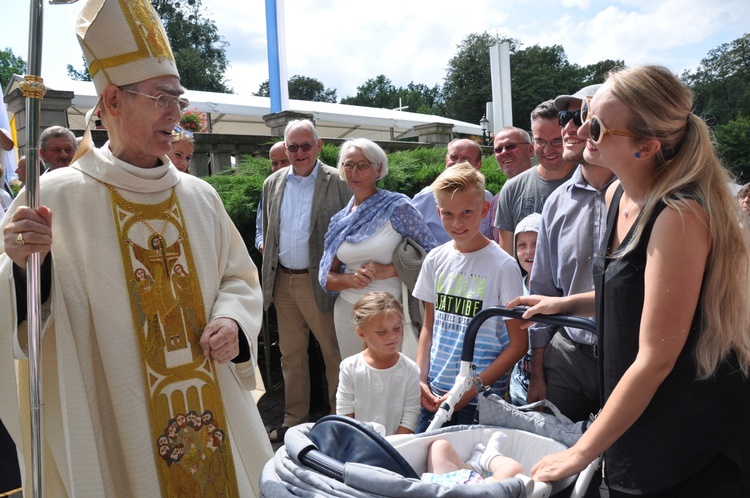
(343, 43)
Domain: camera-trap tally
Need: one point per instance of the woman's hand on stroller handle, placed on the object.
(538, 305)
(560, 465)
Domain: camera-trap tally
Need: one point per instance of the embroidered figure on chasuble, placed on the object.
(167, 307)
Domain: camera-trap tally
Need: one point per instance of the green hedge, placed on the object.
(408, 173)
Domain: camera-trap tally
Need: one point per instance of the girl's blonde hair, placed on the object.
(373, 303)
(687, 168)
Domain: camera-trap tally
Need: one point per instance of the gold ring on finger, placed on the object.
(20, 240)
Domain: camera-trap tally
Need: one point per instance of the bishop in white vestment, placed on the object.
(152, 305)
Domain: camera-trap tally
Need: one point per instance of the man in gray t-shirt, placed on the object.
(526, 193)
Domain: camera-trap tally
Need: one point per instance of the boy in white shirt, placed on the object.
(457, 280)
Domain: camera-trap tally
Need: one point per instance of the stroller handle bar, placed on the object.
(467, 353)
(465, 377)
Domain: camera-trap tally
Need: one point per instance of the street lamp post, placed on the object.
(485, 123)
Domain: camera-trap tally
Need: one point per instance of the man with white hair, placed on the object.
(298, 204)
(131, 342)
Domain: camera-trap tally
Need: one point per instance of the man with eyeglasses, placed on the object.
(513, 153)
(564, 366)
(526, 193)
(460, 150)
(298, 203)
(151, 303)
(564, 360)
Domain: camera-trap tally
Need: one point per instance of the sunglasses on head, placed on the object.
(597, 130)
(563, 117)
(180, 134)
(294, 147)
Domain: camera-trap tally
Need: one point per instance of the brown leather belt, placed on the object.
(290, 271)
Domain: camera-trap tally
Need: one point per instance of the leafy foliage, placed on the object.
(732, 139)
(468, 84)
(240, 191)
(329, 154)
(76, 75)
(597, 73)
(408, 173)
(303, 88)
(199, 50)
(10, 64)
(538, 74)
(380, 92)
(375, 92)
(721, 86)
(722, 82)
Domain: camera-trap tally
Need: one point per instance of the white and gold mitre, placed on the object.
(123, 42)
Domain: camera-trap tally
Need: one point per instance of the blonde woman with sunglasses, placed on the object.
(671, 301)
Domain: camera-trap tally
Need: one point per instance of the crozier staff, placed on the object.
(129, 357)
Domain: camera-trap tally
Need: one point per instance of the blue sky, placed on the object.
(345, 42)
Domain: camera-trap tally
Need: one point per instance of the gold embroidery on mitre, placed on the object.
(148, 34)
(188, 423)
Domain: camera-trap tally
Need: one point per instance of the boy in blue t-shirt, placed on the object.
(457, 280)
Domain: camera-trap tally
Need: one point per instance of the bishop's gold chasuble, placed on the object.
(187, 420)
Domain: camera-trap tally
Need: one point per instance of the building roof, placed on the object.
(243, 114)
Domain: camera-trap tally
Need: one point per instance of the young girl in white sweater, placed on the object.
(380, 384)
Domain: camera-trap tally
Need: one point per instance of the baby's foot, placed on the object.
(495, 447)
(476, 454)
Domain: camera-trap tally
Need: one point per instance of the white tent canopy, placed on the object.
(243, 115)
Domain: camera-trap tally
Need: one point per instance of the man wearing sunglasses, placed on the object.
(564, 360)
(460, 150)
(527, 192)
(513, 153)
(298, 203)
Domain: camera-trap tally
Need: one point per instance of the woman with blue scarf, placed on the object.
(361, 239)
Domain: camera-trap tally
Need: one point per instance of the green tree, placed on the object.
(721, 83)
(597, 73)
(380, 92)
(375, 92)
(421, 98)
(303, 88)
(468, 84)
(199, 50)
(10, 64)
(538, 74)
(82, 75)
(731, 141)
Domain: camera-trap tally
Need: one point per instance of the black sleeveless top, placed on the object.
(682, 429)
